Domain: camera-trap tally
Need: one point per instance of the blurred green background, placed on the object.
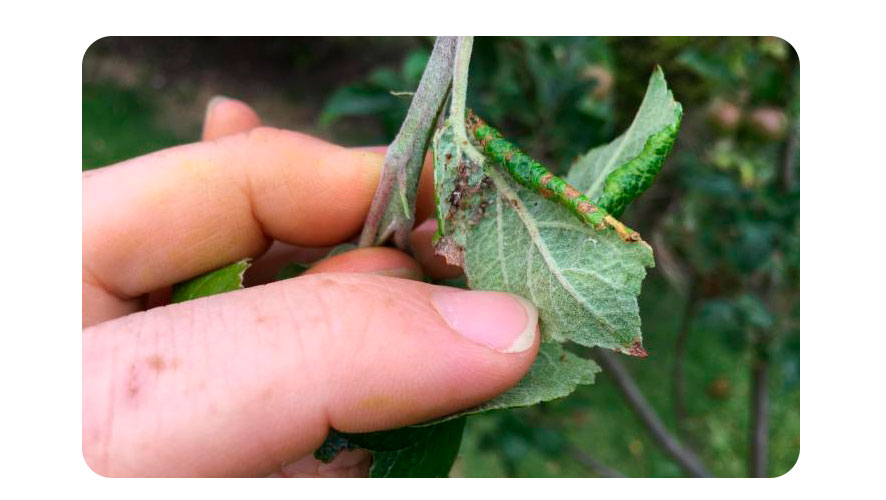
(723, 302)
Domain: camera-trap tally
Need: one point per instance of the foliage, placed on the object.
(221, 280)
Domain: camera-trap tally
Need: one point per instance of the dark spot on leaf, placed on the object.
(636, 349)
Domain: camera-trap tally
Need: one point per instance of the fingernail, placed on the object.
(213, 102)
(403, 272)
(501, 321)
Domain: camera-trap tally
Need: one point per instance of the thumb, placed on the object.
(235, 384)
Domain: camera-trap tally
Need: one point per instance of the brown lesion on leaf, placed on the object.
(547, 193)
(451, 251)
(636, 349)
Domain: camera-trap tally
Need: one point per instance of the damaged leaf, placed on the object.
(584, 280)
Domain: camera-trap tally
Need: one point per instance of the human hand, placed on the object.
(248, 383)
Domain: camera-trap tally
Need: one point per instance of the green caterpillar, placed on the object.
(533, 175)
(628, 181)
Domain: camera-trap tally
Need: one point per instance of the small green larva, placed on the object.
(535, 176)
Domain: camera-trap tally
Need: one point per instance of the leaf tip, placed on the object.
(636, 349)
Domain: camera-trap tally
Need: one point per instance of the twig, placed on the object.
(405, 156)
(592, 463)
(790, 157)
(759, 446)
(680, 411)
(685, 458)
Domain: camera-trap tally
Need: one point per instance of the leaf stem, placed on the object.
(457, 108)
(759, 436)
(393, 208)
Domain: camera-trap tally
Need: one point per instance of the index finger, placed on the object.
(167, 216)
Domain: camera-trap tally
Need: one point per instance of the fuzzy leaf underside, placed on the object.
(555, 374)
(659, 115)
(584, 280)
(221, 280)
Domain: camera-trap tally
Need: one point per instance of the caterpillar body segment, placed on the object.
(629, 181)
(533, 175)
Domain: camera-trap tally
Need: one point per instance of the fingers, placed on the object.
(378, 260)
(165, 217)
(383, 262)
(226, 116)
(171, 215)
(238, 383)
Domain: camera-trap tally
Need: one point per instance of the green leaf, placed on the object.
(291, 270)
(416, 451)
(429, 457)
(355, 101)
(221, 280)
(555, 374)
(584, 280)
(638, 152)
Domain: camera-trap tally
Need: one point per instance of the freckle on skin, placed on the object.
(376, 402)
(157, 363)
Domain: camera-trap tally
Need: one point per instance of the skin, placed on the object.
(248, 383)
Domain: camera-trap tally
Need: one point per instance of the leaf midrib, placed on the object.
(535, 237)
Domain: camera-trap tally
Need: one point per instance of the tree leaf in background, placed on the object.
(221, 280)
(355, 101)
(584, 280)
(614, 174)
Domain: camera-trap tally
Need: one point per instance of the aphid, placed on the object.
(533, 175)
